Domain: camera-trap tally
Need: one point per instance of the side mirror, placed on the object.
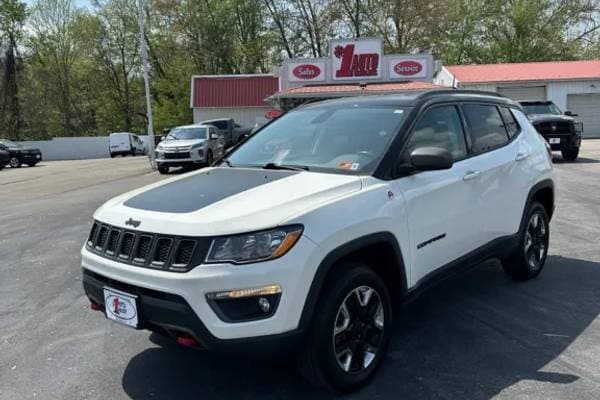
(214, 136)
(570, 114)
(431, 159)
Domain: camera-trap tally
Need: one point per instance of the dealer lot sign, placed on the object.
(355, 61)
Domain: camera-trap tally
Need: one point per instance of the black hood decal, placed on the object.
(198, 191)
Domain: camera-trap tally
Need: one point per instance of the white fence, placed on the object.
(73, 148)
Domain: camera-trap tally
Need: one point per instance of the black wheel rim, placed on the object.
(358, 330)
(536, 241)
(14, 162)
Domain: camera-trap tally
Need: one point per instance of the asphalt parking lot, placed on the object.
(476, 336)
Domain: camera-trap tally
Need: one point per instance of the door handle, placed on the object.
(471, 175)
(521, 156)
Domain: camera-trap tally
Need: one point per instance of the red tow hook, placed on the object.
(95, 306)
(187, 341)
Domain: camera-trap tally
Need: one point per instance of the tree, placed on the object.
(12, 18)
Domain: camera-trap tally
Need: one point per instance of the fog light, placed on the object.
(264, 304)
(249, 304)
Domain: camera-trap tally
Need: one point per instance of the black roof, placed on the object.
(419, 97)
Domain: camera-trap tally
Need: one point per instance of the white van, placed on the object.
(125, 143)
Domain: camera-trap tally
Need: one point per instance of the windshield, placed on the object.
(8, 143)
(187, 134)
(348, 138)
(541, 108)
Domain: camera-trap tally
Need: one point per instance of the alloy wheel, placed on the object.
(536, 241)
(358, 329)
(14, 162)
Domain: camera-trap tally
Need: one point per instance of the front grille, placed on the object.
(143, 249)
(176, 156)
(554, 128)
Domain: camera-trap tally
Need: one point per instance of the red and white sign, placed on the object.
(408, 68)
(358, 59)
(306, 72)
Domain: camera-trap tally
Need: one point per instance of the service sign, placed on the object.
(408, 68)
(357, 59)
(307, 72)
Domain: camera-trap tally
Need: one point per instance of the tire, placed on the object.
(1, 167)
(209, 158)
(163, 169)
(528, 258)
(368, 325)
(14, 162)
(570, 153)
(112, 155)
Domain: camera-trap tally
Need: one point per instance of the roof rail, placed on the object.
(432, 92)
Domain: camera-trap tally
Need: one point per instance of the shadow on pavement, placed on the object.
(579, 160)
(468, 338)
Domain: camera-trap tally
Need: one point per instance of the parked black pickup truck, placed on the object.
(232, 132)
(19, 155)
(560, 130)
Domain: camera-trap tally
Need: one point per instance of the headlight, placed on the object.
(578, 126)
(256, 246)
(159, 147)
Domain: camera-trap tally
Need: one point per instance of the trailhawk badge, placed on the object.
(133, 222)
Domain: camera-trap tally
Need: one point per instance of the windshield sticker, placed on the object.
(398, 111)
(355, 166)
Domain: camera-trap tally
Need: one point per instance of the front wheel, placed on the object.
(163, 169)
(15, 162)
(528, 259)
(570, 153)
(348, 338)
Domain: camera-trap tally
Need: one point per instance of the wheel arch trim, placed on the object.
(339, 253)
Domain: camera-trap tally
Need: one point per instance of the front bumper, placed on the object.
(193, 156)
(185, 294)
(28, 158)
(565, 141)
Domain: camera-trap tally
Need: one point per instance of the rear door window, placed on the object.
(486, 127)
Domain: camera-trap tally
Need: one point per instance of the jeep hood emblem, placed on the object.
(133, 222)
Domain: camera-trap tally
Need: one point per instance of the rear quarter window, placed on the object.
(510, 122)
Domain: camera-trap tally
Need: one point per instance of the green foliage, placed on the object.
(66, 70)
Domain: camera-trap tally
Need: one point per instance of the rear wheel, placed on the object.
(351, 330)
(528, 259)
(570, 153)
(15, 162)
(163, 169)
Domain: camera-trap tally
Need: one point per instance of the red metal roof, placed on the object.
(233, 90)
(307, 91)
(534, 71)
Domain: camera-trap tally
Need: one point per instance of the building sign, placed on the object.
(356, 59)
(306, 71)
(401, 68)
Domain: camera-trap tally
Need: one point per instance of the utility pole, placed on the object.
(144, 54)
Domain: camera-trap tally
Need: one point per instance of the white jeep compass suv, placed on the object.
(314, 229)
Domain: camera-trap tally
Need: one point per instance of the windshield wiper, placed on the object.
(286, 167)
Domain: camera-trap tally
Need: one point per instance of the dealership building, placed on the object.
(359, 67)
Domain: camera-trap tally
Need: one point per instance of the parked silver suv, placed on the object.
(189, 145)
